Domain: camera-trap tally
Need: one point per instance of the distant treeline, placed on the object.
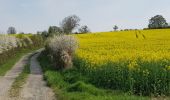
(158, 22)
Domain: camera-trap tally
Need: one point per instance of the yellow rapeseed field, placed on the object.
(133, 61)
(146, 45)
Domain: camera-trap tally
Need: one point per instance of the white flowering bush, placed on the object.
(24, 40)
(10, 44)
(61, 48)
(7, 43)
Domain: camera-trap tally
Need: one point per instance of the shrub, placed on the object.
(61, 49)
(7, 42)
(37, 40)
(11, 44)
(24, 40)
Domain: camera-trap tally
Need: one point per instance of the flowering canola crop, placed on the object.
(147, 45)
(132, 61)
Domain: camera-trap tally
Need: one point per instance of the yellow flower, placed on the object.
(98, 48)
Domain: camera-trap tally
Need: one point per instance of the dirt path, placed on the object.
(35, 88)
(7, 80)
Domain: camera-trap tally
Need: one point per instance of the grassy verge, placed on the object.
(11, 61)
(72, 85)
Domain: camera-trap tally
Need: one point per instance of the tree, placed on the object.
(157, 22)
(84, 29)
(54, 30)
(21, 33)
(39, 32)
(11, 30)
(70, 23)
(44, 34)
(115, 28)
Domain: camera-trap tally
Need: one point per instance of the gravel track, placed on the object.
(7, 80)
(35, 87)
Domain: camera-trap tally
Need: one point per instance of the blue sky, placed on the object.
(99, 15)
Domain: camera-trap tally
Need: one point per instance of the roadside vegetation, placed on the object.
(70, 84)
(13, 47)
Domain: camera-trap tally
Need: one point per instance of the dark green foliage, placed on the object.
(157, 22)
(115, 28)
(69, 23)
(84, 29)
(54, 30)
(11, 30)
(44, 34)
(149, 78)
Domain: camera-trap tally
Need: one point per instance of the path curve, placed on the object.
(7, 80)
(35, 88)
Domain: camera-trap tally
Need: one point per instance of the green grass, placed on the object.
(12, 60)
(72, 85)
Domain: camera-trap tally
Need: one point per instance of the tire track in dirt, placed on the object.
(35, 87)
(7, 80)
